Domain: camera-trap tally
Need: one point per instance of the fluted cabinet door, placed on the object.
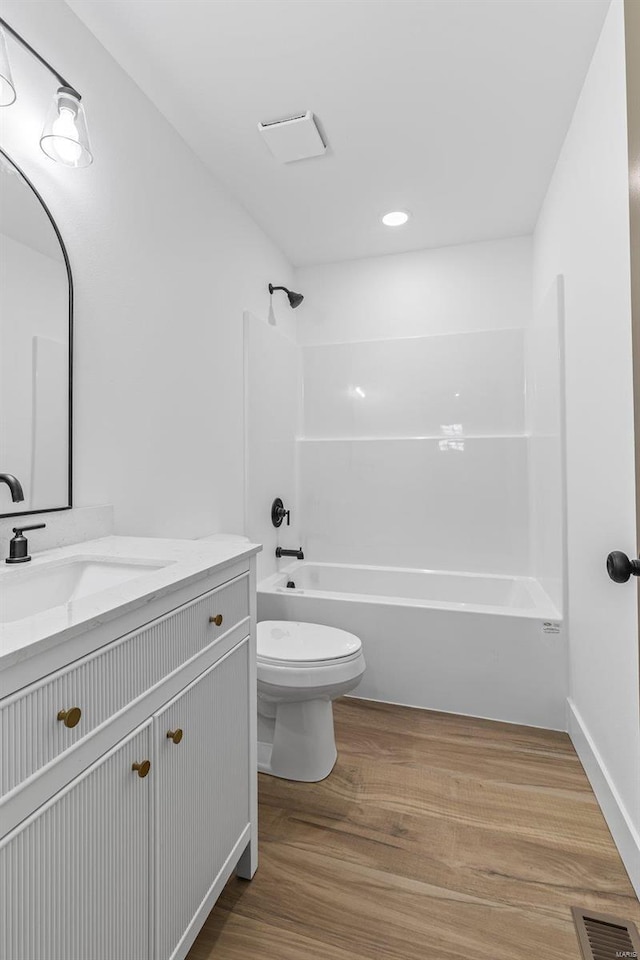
(202, 789)
(75, 876)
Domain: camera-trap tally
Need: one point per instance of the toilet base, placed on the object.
(299, 742)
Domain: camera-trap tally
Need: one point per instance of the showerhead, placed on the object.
(295, 299)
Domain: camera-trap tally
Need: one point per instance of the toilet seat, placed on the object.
(306, 664)
(282, 642)
(293, 655)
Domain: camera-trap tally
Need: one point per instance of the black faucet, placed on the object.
(17, 493)
(298, 554)
(18, 546)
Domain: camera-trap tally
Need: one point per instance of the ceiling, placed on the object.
(452, 109)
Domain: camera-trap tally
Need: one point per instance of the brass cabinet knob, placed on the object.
(175, 735)
(142, 769)
(70, 717)
(217, 619)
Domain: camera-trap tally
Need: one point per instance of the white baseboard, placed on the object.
(620, 824)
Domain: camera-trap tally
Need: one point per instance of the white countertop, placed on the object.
(186, 561)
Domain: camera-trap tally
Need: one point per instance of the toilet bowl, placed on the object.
(302, 668)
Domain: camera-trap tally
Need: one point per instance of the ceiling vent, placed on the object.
(296, 138)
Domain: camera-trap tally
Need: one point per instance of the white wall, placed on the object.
(413, 450)
(477, 286)
(271, 424)
(583, 233)
(164, 263)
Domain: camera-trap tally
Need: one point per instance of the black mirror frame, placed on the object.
(25, 513)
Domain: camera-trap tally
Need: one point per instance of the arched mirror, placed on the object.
(36, 317)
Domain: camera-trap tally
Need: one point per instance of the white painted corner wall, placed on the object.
(164, 263)
(583, 234)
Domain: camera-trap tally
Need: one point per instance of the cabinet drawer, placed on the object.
(31, 735)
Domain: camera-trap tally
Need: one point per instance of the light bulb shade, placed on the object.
(7, 86)
(65, 137)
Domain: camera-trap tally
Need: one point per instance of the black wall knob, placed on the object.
(620, 568)
(279, 512)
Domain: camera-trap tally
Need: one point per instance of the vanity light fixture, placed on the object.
(396, 218)
(64, 137)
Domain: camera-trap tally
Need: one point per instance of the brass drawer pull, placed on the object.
(70, 717)
(142, 769)
(175, 735)
(217, 619)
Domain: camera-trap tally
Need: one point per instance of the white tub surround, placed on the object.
(546, 417)
(412, 443)
(487, 646)
(444, 385)
(128, 723)
(427, 432)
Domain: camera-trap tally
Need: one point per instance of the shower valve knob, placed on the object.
(278, 513)
(620, 568)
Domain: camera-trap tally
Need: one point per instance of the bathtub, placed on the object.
(477, 644)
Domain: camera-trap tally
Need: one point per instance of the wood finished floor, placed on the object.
(436, 837)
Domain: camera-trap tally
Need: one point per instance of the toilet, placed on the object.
(302, 668)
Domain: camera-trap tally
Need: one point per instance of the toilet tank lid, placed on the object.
(294, 642)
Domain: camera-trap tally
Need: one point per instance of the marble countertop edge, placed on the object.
(184, 563)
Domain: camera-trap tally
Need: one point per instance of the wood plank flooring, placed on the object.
(436, 837)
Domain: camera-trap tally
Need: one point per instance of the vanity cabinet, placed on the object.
(75, 879)
(101, 685)
(201, 773)
(125, 831)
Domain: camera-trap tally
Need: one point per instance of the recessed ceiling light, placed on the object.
(396, 218)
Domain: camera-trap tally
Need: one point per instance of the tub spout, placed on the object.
(298, 554)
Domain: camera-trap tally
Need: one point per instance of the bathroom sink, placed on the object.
(24, 593)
